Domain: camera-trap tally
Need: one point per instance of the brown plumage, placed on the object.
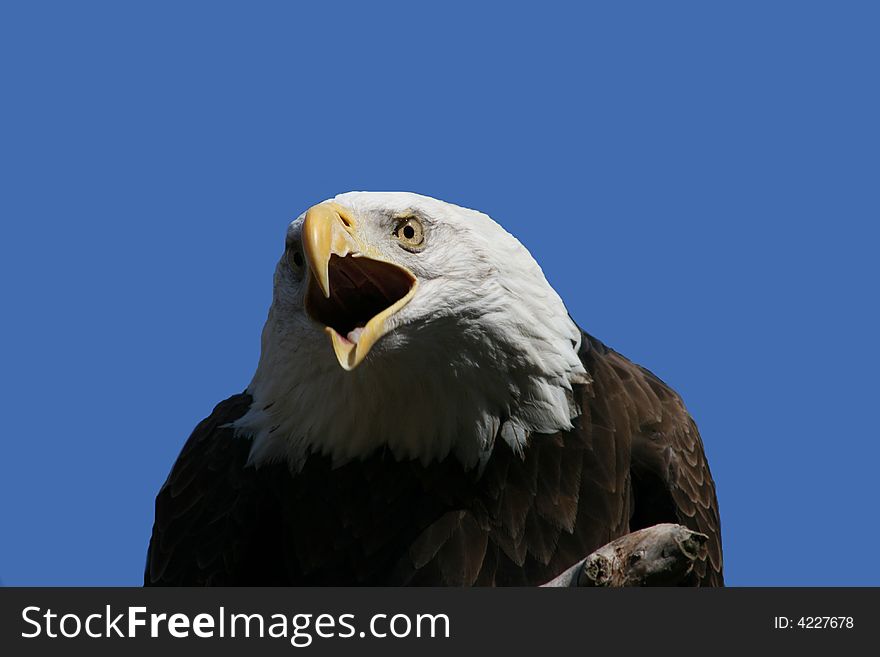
(634, 459)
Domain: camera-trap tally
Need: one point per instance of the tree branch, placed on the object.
(662, 555)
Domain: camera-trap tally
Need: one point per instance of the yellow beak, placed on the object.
(352, 290)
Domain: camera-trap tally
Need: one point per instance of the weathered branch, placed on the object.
(662, 555)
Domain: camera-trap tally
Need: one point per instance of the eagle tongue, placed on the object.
(355, 334)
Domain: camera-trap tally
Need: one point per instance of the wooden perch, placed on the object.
(662, 555)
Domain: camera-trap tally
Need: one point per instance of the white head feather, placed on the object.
(484, 349)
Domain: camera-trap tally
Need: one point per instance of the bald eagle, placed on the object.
(425, 412)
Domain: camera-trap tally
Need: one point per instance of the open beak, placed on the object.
(352, 291)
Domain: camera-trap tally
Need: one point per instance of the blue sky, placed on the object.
(699, 182)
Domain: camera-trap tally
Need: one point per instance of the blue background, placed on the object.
(699, 182)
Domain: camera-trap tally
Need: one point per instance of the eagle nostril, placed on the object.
(346, 221)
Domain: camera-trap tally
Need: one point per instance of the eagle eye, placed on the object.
(410, 233)
(296, 261)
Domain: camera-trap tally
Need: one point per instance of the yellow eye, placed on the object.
(410, 233)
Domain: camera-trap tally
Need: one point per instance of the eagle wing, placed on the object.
(669, 473)
(212, 513)
(633, 459)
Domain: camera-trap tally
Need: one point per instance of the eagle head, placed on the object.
(405, 323)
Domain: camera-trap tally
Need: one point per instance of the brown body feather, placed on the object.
(634, 459)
